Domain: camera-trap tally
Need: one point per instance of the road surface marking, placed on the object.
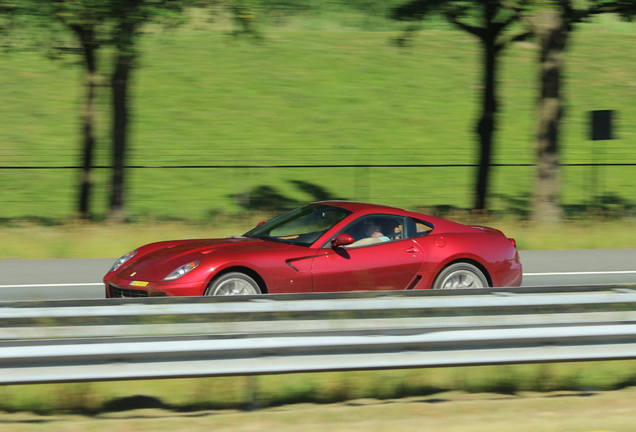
(581, 273)
(51, 285)
(588, 273)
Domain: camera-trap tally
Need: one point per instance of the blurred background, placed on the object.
(192, 110)
(190, 118)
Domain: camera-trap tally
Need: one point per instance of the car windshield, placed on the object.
(302, 226)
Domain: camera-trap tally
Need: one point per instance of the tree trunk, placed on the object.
(486, 124)
(552, 31)
(89, 47)
(119, 86)
(124, 59)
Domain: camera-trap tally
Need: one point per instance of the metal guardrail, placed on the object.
(93, 340)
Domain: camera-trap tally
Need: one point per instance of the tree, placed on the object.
(128, 16)
(490, 21)
(95, 23)
(84, 19)
(551, 29)
(551, 26)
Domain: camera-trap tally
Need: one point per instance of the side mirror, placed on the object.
(342, 239)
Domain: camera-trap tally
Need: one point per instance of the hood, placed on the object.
(157, 260)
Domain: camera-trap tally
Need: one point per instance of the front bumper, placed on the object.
(123, 288)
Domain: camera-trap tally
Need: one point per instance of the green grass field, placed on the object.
(303, 97)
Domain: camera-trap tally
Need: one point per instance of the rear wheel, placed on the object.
(234, 283)
(460, 276)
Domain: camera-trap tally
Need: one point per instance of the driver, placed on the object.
(373, 234)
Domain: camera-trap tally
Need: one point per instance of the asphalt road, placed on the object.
(76, 279)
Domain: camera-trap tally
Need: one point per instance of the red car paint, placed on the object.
(422, 247)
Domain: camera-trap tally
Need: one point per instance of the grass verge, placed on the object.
(194, 394)
(26, 240)
(445, 412)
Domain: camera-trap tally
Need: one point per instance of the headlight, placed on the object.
(120, 262)
(182, 271)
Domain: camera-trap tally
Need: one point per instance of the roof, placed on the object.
(361, 207)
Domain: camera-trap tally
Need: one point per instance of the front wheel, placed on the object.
(460, 276)
(234, 283)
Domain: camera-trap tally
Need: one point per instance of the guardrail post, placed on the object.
(251, 387)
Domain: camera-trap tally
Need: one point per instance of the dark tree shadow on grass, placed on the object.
(32, 220)
(317, 193)
(268, 198)
(133, 403)
(608, 206)
(265, 198)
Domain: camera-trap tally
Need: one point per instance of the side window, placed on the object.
(418, 228)
(374, 229)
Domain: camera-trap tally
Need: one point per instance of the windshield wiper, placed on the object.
(264, 237)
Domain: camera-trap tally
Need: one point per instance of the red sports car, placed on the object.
(323, 247)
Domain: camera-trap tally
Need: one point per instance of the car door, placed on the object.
(389, 265)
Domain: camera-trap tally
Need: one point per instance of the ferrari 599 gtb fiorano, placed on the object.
(323, 247)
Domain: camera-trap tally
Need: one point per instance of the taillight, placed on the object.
(514, 243)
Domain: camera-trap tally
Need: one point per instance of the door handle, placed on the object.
(412, 249)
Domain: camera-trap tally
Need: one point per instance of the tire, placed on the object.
(234, 283)
(460, 276)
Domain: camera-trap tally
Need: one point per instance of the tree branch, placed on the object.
(505, 41)
(452, 17)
